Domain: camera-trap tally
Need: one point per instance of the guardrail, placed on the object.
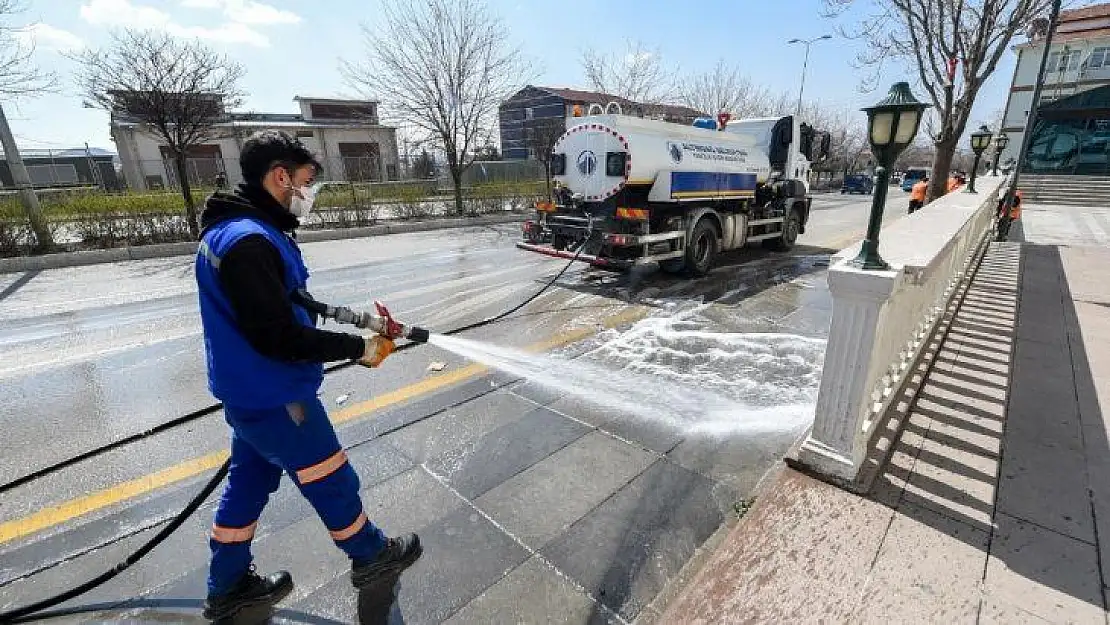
(882, 320)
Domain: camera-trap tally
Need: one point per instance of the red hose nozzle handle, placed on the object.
(391, 329)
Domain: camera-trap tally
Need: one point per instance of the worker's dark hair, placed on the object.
(267, 149)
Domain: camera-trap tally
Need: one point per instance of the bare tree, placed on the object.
(935, 38)
(176, 90)
(443, 67)
(20, 77)
(539, 137)
(638, 75)
(726, 88)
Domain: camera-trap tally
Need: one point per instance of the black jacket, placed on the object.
(252, 278)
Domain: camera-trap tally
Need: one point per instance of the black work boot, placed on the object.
(252, 590)
(398, 555)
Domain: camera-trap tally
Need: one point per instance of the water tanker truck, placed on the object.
(633, 191)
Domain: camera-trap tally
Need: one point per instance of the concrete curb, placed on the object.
(164, 250)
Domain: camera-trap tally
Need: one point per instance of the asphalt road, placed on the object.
(92, 354)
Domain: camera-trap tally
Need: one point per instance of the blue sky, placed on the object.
(293, 48)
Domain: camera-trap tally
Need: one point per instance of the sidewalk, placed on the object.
(995, 506)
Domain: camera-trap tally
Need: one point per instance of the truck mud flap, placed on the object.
(596, 261)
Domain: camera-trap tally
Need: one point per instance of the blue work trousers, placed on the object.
(298, 439)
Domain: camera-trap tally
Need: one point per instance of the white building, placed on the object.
(345, 135)
(1070, 136)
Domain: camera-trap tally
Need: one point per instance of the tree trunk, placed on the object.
(938, 178)
(456, 179)
(547, 177)
(187, 194)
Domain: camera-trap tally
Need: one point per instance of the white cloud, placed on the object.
(225, 33)
(127, 14)
(250, 12)
(246, 11)
(47, 36)
(123, 13)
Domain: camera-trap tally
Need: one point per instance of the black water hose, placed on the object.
(36, 611)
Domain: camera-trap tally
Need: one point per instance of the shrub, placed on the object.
(413, 203)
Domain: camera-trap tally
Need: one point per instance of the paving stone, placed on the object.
(409, 502)
(464, 554)
(538, 504)
(931, 401)
(459, 425)
(532, 593)
(996, 612)
(738, 460)
(889, 485)
(1045, 573)
(536, 392)
(1046, 486)
(651, 434)
(977, 385)
(477, 466)
(802, 554)
(376, 461)
(929, 566)
(401, 415)
(629, 547)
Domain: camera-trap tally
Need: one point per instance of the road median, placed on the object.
(165, 250)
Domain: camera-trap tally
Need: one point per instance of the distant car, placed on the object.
(912, 177)
(857, 184)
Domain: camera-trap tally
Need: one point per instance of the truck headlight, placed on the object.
(615, 163)
(558, 164)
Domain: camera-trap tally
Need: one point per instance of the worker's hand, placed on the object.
(377, 348)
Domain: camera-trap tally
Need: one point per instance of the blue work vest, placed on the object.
(237, 374)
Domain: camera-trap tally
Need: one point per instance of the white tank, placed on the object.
(702, 158)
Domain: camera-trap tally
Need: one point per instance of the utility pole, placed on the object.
(22, 180)
(805, 64)
(1031, 119)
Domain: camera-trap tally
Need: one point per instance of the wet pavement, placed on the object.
(517, 492)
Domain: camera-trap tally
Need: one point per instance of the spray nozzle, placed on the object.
(382, 323)
(385, 325)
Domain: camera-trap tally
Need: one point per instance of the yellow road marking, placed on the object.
(48, 517)
(55, 515)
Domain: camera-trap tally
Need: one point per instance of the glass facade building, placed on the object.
(1072, 136)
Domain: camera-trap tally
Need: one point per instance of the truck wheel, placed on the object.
(790, 229)
(701, 249)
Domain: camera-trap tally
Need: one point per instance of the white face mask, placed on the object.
(303, 197)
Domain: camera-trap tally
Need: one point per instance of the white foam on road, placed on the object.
(670, 370)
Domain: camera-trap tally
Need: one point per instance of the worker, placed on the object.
(953, 183)
(264, 358)
(917, 194)
(1008, 215)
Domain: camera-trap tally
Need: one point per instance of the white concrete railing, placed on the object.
(882, 320)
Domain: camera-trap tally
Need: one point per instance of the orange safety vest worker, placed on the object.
(919, 190)
(953, 184)
(1015, 209)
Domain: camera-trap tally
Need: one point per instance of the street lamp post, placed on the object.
(999, 146)
(979, 142)
(892, 124)
(805, 64)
